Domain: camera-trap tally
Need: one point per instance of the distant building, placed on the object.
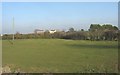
(52, 31)
(38, 31)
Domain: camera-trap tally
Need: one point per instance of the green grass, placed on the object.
(57, 55)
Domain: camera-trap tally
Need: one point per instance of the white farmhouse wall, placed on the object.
(52, 31)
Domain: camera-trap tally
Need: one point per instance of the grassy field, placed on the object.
(57, 55)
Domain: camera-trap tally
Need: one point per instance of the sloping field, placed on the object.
(56, 55)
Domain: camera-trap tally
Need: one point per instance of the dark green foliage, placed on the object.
(95, 32)
(71, 30)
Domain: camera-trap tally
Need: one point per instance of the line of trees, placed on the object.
(95, 32)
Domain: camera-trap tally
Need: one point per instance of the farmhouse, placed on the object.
(38, 31)
(1, 34)
(52, 31)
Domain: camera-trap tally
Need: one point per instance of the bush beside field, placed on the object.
(96, 32)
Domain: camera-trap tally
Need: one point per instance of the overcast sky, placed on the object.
(57, 15)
